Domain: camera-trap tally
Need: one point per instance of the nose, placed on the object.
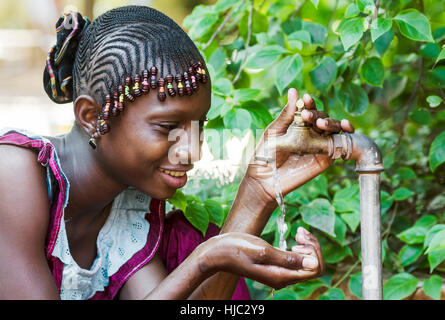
(188, 149)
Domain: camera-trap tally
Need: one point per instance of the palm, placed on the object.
(293, 170)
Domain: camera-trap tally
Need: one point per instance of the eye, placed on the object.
(168, 126)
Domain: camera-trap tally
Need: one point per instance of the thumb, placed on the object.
(285, 118)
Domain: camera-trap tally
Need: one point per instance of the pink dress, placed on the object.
(128, 240)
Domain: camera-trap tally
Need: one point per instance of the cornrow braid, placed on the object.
(123, 54)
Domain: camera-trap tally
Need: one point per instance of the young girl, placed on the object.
(82, 215)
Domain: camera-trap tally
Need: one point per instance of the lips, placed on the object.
(175, 179)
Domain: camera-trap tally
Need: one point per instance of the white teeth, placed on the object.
(173, 173)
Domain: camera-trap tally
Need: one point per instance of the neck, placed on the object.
(92, 188)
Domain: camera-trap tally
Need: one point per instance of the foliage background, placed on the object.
(380, 64)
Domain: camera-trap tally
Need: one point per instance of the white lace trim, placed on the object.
(124, 234)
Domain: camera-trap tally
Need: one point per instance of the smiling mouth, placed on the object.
(173, 173)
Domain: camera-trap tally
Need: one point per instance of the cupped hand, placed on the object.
(252, 257)
(293, 170)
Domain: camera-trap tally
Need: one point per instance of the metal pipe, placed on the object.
(301, 139)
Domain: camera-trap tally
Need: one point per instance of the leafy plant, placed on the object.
(380, 64)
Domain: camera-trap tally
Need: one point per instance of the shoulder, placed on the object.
(23, 190)
(24, 221)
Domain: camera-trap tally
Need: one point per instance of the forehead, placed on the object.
(186, 107)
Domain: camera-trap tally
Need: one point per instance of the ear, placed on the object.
(86, 112)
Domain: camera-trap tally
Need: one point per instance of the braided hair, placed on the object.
(124, 53)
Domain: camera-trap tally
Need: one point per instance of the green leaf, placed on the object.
(265, 57)
(333, 294)
(333, 253)
(409, 254)
(222, 85)
(426, 221)
(402, 194)
(433, 286)
(179, 200)
(383, 42)
(355, 284)
(405, 173)
(373, 71)
(237, 118)
(347, 203)
(218, 59)
(379, 27)
(354, 98)
(215, 211)
(306, 288)
(434, 101)
(420, 116)
(245, 94)
(198, 216)
(441, 54)
(413, 235)
(352, 11)
(260, 114)
(315, 3)
(318, 32)
(366, 6)
(351, 31)
(431, 233)
(399, 286)
(324, 74)
(414, 25)
(436, 250)
(202, 25)
(301, 35)
(287, 71)
(320, 214)
(436, 155)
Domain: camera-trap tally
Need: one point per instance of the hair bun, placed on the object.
(58, 73)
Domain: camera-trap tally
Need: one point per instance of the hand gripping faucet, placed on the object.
(302, 139)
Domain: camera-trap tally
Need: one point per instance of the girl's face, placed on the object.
(150, 135)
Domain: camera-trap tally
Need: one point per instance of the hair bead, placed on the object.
(193, 79)
(145, 83)
(106, 108)
(178, 80)
(153, 73)
(104, 127)
(171, 91)
(137, 84)
(120, 105)
(203, 72)
(188, 88)
(161, 92)
(115, 108)
(128, 94)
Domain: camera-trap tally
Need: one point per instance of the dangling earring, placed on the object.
(93, 139)
(93, 143)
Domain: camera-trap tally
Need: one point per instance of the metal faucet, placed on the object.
(302, 139)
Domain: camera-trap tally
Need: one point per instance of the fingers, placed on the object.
(320, 120)
(347, 126)
(285, 118)
(309, 103)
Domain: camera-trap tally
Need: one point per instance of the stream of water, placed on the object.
(281, 224)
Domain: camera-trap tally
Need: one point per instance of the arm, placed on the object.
(24, 216)
(255, 200)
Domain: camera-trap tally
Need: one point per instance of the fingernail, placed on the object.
(306, 114)
(306, 97)
(309, 263)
